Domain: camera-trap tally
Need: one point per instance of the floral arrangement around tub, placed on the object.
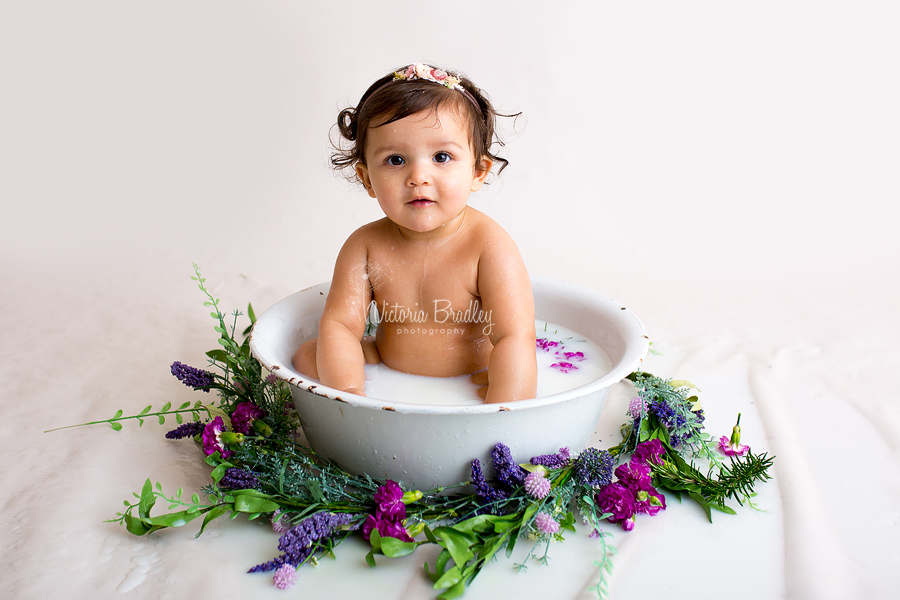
(260, 471)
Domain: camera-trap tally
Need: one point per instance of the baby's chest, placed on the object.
(432, 287)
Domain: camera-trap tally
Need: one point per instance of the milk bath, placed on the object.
(565, 361)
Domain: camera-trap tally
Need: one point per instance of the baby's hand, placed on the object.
(356, 391)
(481, 378)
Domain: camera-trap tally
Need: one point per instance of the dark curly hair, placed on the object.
(388, 100)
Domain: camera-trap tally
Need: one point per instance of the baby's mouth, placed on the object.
(420, 202)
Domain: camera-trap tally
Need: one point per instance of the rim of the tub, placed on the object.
(636, 348)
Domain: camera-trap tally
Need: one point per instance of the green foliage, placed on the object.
(196, 410)
(241, 377)
(296, 482)
(692, 441)
(470, 544)
(710, 492)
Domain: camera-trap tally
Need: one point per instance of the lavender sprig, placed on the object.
(300, 542)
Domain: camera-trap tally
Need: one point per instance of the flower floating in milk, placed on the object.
(558, 349)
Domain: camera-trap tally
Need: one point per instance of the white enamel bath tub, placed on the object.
(426, 446)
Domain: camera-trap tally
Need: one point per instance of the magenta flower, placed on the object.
(545, 523)
(733, 446)
(617, 499)
(729, 449)
(389, 513)
(393, 529)
(565, 367)
(545, 344)
(537, 485)
(651, 451)
(212, 438)
(576, 356)
(389, 499)
(243, 416)
(385, 528)
(649, 500)
(285, 576)
(634, 475)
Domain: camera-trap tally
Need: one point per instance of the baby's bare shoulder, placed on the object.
(489, 236)
(369, 235)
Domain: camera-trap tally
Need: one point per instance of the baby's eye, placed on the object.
(442, 157)
(394, 160)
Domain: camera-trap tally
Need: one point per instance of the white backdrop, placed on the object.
(728, 172)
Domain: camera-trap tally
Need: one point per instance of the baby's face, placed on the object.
(421, 169)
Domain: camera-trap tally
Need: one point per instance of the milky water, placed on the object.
(565, 361)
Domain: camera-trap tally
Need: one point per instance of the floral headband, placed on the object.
(429, 73)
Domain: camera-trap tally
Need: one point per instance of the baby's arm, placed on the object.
(505, 291)
(339, 355)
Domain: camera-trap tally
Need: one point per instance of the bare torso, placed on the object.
(432, 319)
(451, 302)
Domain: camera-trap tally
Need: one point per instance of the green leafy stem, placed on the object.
(250, 502)
(734, 482)
(194, 410)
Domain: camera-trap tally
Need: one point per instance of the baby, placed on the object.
(451, 289)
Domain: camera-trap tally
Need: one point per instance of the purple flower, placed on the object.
(389, 499)
(303, 540)
(634, 475)
(386, 528)
(553, 461)
(565, 367)
(545, 523)
(615, 498)
(239, 479)
(280, 523)
(211, 441)
(285, 576)
(389, 513)
(482, 489)
(651, 451)
(243, 416)
(648, 500)
(186, 430)
(637, 407)
(576, 356)
(192, 377)
(508, 471)
(537, 485)
(594, 467)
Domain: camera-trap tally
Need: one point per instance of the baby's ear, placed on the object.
(363, 173)
(482, 170)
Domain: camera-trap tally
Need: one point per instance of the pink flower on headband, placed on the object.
(439, 74)
(422, 71)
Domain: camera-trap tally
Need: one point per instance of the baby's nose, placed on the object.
(418, 174)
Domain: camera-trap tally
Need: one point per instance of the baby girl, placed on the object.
(451, 289)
